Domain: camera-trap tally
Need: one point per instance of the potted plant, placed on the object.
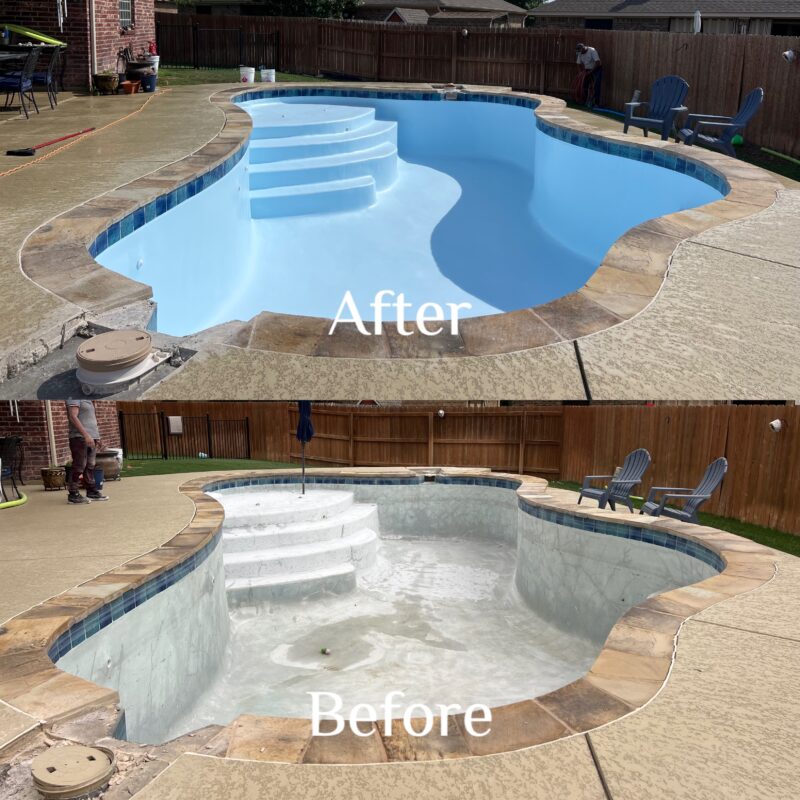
(54, 478)
(105, 82)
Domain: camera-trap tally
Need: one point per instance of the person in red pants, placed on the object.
(84, 441)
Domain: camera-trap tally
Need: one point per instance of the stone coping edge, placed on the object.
(59, 255)
(629, 671)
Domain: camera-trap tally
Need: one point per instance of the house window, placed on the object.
(125, 13)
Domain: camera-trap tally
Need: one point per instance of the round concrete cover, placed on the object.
(71, 771)
(114, 350)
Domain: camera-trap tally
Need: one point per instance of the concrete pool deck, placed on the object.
(722, 325)
(725, 723)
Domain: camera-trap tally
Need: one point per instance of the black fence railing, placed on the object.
(155, 435)
(208, 48)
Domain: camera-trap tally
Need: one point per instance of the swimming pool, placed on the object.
(453, 589)
(451, 202)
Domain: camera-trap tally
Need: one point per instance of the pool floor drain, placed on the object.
(62, 773)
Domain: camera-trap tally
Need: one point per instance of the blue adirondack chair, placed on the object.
(666, 102)
(692, 498)
(726, 127)
(620, 485)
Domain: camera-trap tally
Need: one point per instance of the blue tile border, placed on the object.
(186, 191)
(623, 531)
(134, 598)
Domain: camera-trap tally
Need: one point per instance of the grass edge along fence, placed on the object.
(720, 69)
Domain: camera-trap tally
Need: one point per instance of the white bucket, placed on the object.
(268, 76)
(153, 61)
(247, 74)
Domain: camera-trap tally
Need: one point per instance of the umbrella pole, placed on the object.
(303, 451)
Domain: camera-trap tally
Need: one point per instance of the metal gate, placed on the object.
(157, 435)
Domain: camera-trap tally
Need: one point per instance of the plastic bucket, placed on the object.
(247, 74)
(153, 61)
(99, 477)
(149, 83)
(268, 76)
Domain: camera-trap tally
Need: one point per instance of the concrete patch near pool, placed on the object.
(635, 661)
(621, 289)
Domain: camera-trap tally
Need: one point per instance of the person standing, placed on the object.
(84, 441)
(589, 59)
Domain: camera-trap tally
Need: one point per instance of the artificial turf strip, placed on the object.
(158, 466)
(186, 76)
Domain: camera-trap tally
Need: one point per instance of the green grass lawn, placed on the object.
(769, 537)
(132, 468)
(186, 76)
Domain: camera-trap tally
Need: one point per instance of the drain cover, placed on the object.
(71, 771)
(114, 350)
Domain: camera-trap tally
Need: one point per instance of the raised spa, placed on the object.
(451, 590)
(448, 202)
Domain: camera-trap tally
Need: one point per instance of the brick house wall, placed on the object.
(32, 427)
(41, 16)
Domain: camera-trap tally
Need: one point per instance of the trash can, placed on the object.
(99, 477)
(149, 82)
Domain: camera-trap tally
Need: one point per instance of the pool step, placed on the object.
(348, 194)
(358, 548)
(250, 538)
(379, 162)
(338, 579)
(281, 120)
(276, 507)
(313, 158)
(265, 151)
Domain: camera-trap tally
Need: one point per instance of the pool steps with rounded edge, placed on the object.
(265, 151)
(315, 159)
(349, 194)
(358, 516)
(296, 546)
(379, 161)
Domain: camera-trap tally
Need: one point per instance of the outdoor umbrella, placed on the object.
(305, 432)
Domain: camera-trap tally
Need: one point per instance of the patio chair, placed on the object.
(21, 82)
(49, 77)
(9, 448)
(692, 498)
(726, 127)
(619, 485)
(666, 102)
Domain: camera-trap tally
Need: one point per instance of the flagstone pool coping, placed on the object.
(60, 255)
(631, 668)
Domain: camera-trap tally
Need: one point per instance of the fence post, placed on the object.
(195, 44)
(453, 56)
(379, 55)
(210, 438)
(523, 431)
(241, 47)
(163, 425)
(277, 35)
(430, 438)
(121, 424)
(247, 437)
(351, 442)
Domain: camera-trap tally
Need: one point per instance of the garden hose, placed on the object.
(84, 137)
(21, 500)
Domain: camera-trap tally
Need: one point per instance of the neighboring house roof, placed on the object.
(668, 8)
(469, 15)
(449, 5)
(411, 16)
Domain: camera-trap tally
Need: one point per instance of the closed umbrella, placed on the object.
(697, 24)
(305, 432)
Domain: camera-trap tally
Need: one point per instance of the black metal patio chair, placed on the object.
(9, 453)
(19, 81)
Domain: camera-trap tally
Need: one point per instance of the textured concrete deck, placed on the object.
(725, 724)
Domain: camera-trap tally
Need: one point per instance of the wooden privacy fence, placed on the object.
(720, 69)
(556, 442)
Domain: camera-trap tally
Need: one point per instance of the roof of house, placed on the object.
(411, 16)
(449, 5)
(468, 14)
(668, 8)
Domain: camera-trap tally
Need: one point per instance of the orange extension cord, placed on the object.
(83, 138)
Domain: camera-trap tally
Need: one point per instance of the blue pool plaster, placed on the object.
(489, 207)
